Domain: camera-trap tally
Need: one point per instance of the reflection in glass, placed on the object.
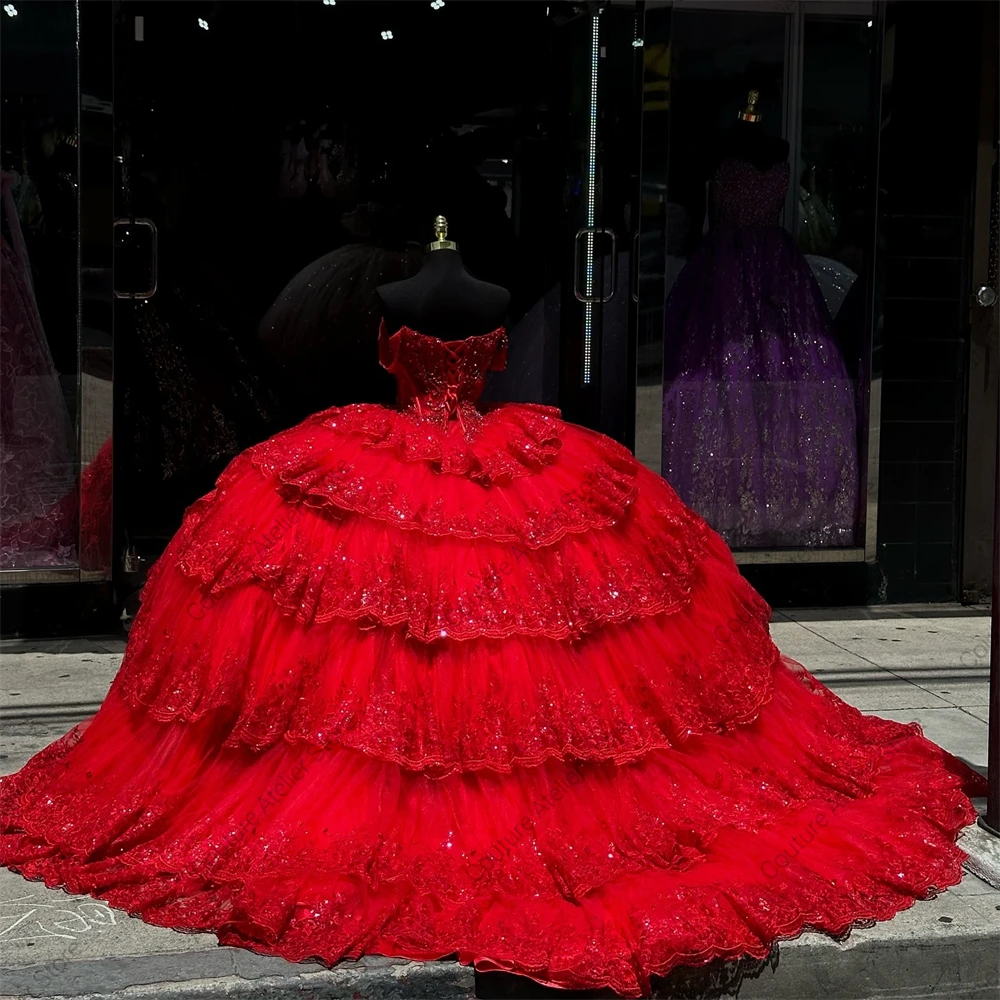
(39, 502)
(96, 499)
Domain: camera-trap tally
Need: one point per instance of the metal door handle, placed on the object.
(594, 231)
(154, 263)
(634, 266)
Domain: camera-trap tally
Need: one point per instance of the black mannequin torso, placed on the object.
(444, 300)
(747, 141)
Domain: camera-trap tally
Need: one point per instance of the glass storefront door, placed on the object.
(279, 161)
(756, 269)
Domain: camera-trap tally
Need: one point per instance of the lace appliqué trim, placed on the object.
(345, 477)
(617, 696)
(523, 877)
(492, 448)
(446, 587)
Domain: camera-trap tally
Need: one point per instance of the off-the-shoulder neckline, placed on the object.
(499, 331)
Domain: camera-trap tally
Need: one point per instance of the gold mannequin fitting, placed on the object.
(441, 232)
(751, 113)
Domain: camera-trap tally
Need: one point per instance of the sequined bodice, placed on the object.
(440, 379)
(742, 195)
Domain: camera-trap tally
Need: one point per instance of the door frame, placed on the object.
(976, 572)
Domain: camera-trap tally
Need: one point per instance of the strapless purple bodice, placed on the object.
(742, 195)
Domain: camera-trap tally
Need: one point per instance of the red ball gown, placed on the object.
(445, 680)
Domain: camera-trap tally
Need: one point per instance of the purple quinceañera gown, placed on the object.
(759, 420)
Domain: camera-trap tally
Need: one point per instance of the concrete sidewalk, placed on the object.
(927, 664)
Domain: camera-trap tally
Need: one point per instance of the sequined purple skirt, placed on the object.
(759, 412)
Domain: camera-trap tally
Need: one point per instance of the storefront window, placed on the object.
(39, 496)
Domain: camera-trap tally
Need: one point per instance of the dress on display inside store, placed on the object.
(39, 499)
(759, 408)
(439, 679)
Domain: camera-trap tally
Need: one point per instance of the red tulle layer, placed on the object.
(487, 702)
(493, 448)
(581, 873)
(319, 560)
(590, 486)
